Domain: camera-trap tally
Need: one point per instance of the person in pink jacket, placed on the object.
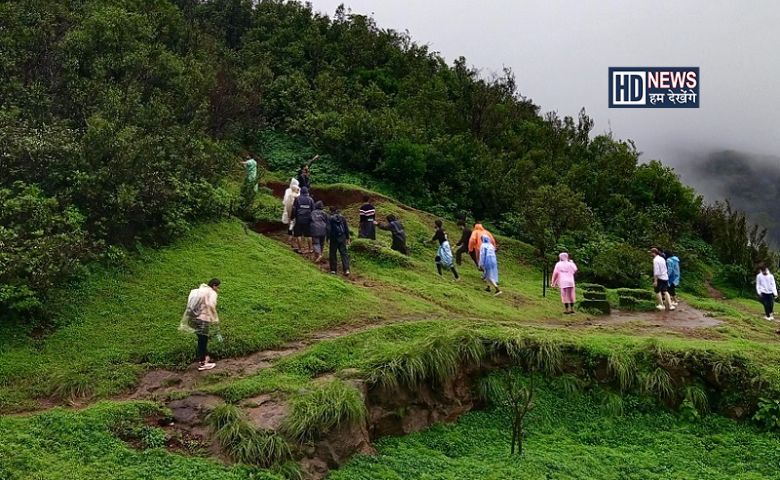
(563, 277)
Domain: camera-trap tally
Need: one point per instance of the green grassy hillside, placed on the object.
(120, 322)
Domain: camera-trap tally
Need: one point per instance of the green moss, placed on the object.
(599, 307)
(631, 303)
(637, 293)
(595, 295)
(592, 287)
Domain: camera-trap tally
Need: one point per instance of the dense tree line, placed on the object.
(119, 121)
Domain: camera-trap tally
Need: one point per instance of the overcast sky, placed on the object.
(560, 52)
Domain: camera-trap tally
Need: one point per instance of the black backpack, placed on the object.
(337, 227)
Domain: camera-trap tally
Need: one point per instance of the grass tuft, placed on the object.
(622, 367)
(697, 396)
(658, 382)
(245, 443)
(318, 411)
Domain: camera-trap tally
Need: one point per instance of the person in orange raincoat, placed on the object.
(475, 242)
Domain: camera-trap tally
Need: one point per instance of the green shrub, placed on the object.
(614, 264)
(768, 414)
(595, 295)
(376, 252)
(591, 287)
(598, 307)
(42, 242)
(631, 303)
(637, 293)
(327, 406)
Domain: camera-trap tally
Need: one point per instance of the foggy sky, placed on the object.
(560, 52)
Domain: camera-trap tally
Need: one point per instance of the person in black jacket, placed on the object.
(397, 232)
(303, 206)
(367, 227)
(303, 173)
(339, 237)
(319, 229)
(463, 244)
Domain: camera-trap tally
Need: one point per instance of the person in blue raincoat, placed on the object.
(673, 269)
(488, 263)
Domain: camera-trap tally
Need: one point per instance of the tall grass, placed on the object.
(245, 443)
(325, 407)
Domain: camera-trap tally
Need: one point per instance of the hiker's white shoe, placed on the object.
(660, 307)
(768, 318)
(206, 366)
(672, 307)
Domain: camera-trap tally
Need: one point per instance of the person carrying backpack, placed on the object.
(303, 206)
(200, 317)
(319, 229)
(397, 233)
(339, 237)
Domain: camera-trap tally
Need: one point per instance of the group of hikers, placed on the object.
(309, 228)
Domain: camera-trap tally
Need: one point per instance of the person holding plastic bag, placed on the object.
(200, 317)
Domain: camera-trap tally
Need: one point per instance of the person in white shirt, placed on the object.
(661, 281)
(766, 288)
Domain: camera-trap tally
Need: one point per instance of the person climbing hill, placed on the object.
(367, 226)
(292, 192)
(319, 229)
(303, 206)
(563, 278)
(475, 241)
(488, 263)
(463, 244)
(339, 238)
(397, 233)
(249, 187)
(304, 180)
(444, 253)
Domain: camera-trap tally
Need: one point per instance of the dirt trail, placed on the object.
(158, 383)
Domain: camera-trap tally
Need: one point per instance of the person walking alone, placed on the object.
(661, 281)
(563, 278)
(200, 317)
(766, 288)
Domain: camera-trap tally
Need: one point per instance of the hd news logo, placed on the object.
(653, 87)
